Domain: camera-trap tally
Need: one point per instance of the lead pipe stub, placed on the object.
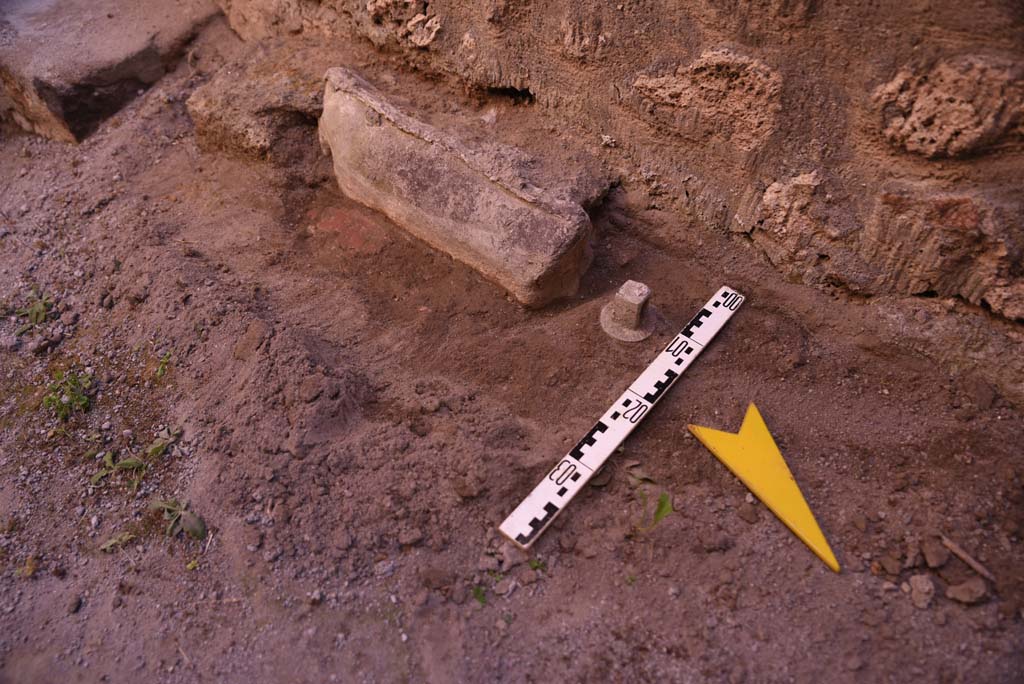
(628, 317)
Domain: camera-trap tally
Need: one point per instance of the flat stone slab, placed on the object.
(472, 203)
(66, 65)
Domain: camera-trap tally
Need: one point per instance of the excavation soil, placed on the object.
(359, 412)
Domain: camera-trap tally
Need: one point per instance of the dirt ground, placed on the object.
(358, 413)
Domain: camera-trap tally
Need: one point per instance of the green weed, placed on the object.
(35, 313)
(116, 542)
(639, 479)
(164, 365)
(662, 509)
(67, 394)
(164, 439)
(134, 467)
(179, 518)
(29, 569)
(480, 594)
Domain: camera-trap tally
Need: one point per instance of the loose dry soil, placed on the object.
(359, 412)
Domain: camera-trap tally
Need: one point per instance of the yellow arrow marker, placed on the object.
(752, 456)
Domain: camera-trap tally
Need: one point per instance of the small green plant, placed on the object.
(106, 470)
(662, 509)
(630, 580)
(29, 569)
(117, 541)
(164, 439)
(192, 564)
(36, 312)
(162, 367)
(135, 468)
(480, 594)
(180, 518)
(59, 431)
(67, 394)
(538, 565)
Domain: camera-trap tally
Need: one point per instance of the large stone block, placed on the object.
(471, 203)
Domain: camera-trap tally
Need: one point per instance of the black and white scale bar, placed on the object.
(567, 478)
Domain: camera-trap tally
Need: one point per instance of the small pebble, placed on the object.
(970, 592)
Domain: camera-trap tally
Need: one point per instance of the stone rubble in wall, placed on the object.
(722, 94)
(958, 107)
(916, 240)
